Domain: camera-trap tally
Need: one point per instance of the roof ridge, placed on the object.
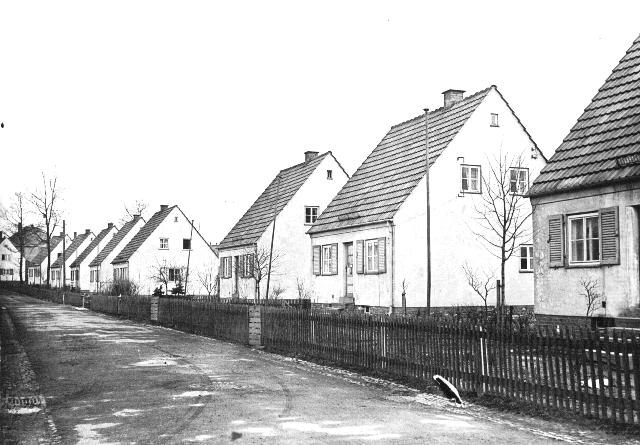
(305, 162)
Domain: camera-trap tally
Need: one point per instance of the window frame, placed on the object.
(470, 166)
(4, 257)
(583, 216)
(375, 258)
(313, 220)
(166, 245)
(529, 258)
(495, 122)
(183, 241)
(325, 260)
(518, 169)
(329, 175)
(227, 261)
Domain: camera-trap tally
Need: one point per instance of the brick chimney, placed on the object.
(75, 234)
(452, 96)
(61, 233)
(87, 231)
(164, 206)
(109, 225)
(309, 155)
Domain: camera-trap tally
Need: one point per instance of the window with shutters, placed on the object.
(310, 214)
(371, 256)
(327, 260)
(526, 258)
(518, 180)
(470, 179)
(584, 239)
(225, 266)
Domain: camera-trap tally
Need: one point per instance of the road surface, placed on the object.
(106, 380)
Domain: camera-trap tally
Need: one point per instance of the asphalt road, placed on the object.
(112, 381)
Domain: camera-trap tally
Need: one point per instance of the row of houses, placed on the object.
(317, 232)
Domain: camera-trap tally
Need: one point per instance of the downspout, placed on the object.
(393, 263)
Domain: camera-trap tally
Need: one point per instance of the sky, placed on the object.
(201, 103)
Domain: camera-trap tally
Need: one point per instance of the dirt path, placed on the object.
(111, 381)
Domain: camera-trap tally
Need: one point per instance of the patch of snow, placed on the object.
(238, 422)
(31, 410)
(127, 340)
(127, 413)
(201, 438)
(88, 434)
(193, 394)
(197, 404)
(263, 431)
(80, 308)
(157, 362)
(361, 431)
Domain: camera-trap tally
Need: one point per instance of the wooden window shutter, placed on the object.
(250, 271)
(382, 255)
(610, 236)
(316, 260)
(241, 270)
(556, 241)
(359, 256)
(334, 259)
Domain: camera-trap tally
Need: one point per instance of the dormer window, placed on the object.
(494, 120)
(329, 175)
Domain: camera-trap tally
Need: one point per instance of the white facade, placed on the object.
(453, 226)
(37, 274)
(291, 243)
(103, 273)
(80, 273)
(57, 275)
(9, 261)
(154, 254)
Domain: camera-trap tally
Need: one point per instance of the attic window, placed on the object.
(186, 244)
(329, 174)
(494, 120)
(175, 219)
(164, 243)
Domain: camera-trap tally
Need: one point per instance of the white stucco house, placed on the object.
(37, 266)
(370, 243)
(9, 260)
(168, 250)
(80, 274)
(100, 268)
(70, 254)
(302, 191)
(586, 201)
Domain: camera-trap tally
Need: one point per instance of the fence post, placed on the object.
(255, 326)
(155, 302)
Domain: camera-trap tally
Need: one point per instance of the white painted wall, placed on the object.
(149, 256)
(452, 223)
(12, 261)
(291, 241)
(558, 290)
(82, 270)
(105, 269)
(70, 258)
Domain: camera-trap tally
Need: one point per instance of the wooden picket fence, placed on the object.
(132, 307)
(593, 374)
(217, 320)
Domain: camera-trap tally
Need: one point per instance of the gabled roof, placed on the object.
(385, 179)
(92, 245)
(113, 242)
(142, 235)
(42, 253)
(77, 241)
(603, 147)
(255, 221)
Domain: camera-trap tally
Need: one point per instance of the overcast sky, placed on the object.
(201, 103)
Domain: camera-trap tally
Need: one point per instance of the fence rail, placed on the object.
(596, 375)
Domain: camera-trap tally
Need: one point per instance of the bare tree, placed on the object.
(161, 273)
(303, 292)
(45, 201)
(14, 220)
(209, 280)
(260, 266)
(277, 291)
(130, 210)
(592, 296)
(503, 212)
(482, 284)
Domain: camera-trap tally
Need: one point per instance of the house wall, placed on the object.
(454, 224)
(70, 258)
(83, 268)
(105, 269)
(42, 279)
(558, 290)
(291, 243)
(144, 263)
(246, 287)
(368, 289)
(12, 263)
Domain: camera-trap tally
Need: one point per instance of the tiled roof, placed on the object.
(142, 235)
(92, 245)
(256, 220)
(33, 236)
(113, 242)
(42, 253)
(389, 174)
(77, 241)
(604, 145)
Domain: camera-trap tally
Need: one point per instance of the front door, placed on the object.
(348, 273)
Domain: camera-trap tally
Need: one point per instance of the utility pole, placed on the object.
(426, 164)
(186, 278)
(64, 253)
(273, 232)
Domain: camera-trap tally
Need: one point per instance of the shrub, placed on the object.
(122, 287)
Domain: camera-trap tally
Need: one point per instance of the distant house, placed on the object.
(30, 238)
(9, 260)
(167, 251)
(369, 246)
(302, 191)
(70, 254)
(101, 269)
(37, 266)
(587, 205)
(80, 275)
